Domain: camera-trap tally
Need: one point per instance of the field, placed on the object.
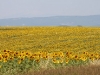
(49, 50)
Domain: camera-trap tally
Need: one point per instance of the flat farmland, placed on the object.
(50, 38)
(30, 48)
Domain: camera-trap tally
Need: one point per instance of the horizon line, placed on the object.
(53, 16)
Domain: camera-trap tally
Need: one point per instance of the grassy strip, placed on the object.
(91, 68)
(73, 70)
(13, 67)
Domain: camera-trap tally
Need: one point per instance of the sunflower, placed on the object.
(67, 61)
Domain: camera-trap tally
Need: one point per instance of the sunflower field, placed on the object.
(23, 49)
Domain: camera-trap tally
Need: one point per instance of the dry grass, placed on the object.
(72, 70)
(95, 62)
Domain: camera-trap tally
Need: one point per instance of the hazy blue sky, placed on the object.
(43, 8)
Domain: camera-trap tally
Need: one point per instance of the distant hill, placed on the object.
(93, 20)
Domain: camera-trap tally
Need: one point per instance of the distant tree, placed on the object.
(63, 25)
(79, 25)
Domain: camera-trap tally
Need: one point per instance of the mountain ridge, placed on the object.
(91, 20)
